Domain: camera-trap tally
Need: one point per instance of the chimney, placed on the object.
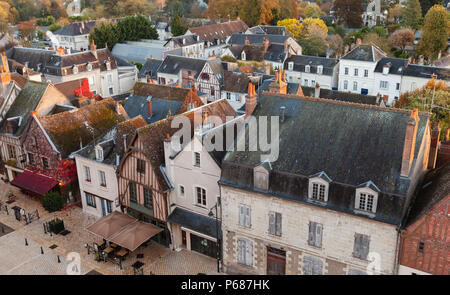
(5, 75)
(149, 107)
(266, 44)
(435, 133)
(409, 143)
(124, 138)
(358, 41)
(317, 90)
(279, 85)
(94, 49)
(61, 51)
(282, 113)
(250, 100)
(5, 63)
(247, 42)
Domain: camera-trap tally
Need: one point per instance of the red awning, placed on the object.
(35, 183)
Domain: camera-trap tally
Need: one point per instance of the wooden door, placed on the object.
(276, 261)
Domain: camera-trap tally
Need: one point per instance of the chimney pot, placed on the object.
(282, 113)
(149, 106)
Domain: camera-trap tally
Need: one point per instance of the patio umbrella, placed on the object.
(110, 224)
(135, 234)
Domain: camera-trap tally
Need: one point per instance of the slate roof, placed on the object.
(426, 72)
(19, 79)
(127, 128)
(153, 135)
(76, 28)
(188, 39)
(435, 187)
(275, 53)
(444, 62)
(173, 64)
(270, 30)
(239, 39)
(32, 56)
(150, 67)
(351, 143)
(300, 61)
(220, 31)
(396, 66)
(370, 53)
(25, 103)
(342, 96)
(66, 129)
(167, 92)
(107, 142)
(235, 82)
(196, 222)
(138, 105)
(137, 53)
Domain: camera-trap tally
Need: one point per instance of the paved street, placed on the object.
(17, 258)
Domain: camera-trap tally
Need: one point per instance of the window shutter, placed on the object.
(318, 241)
(375, 202)
(87, 199)
(365, 246)
(241, 251)
(241, 215)
(317, 266)
(278, 224)
(249, 253)
(272, 223)
(357, 246)
(307, 265)
(311, 236)
(247, 216)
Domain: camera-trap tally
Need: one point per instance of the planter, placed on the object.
(56, 226)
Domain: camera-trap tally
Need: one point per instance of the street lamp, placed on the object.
(211, 214)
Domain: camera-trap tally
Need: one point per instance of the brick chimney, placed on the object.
(409, 143)
(266, 44)
(247, 42)
(94, 49)
(5, 75)
(435, 133)
(279, 85)
(250, 100)
(149, 107)
(317, 90)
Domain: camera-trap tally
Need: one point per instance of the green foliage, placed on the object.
(380, 31)
(340, 30)
(53, 201)
(412, 14)
(393, 27)
(178, 29)
(250, 12)
(228, 58)
(105, 34)
(54, 27)
(435, 32)
(313, 46)
(348, 12)
(49, 20)
(137, 64)
(40, 35)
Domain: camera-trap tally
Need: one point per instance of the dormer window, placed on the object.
(261, 176)
(99, 153)
(319, 70)
(290, 65)
(75, 69)
(307, 69)
(385, 70)
(318, 187)
(108, 65)
(366, 199)
(243, 57)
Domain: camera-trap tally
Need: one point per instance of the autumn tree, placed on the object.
(395, 13)
(269, 11)
(375, 39)
(427, 4)
(250, 12)
(412, 14)
(178, 28)
(348, 12)
(313, 46)
(402, 38)
(436, 31)
(313, 27)
(313, 10)
(27, 28)
(223, 8)
(335, 43)
(5, 15)
(292, 25)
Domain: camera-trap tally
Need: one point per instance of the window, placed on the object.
(313, 83)
(245, 252)
(12, 152)
(140, 166)
(366, 73)
(345, 84)
(307, 69)
(45, 162)
(90, 200)
(355, 72)
(275, 223)
(421, 247)
(228, 95)
(89, 67)
(196, 159)
(111, 90)
(315, 234)
(346, 71)
(244, 216)
(366, 202)
(319, 70)
(148, 198)
(31, 158)
(243, 57)
(355, 86)
(102, 178)
(109, 206)
(109, 78)
(306, 82)
(87, 174)
(361, 246)
(318, 192)
(290, 66)
(397, 86)
(312, 265)
(383, 84)
(99, 153)
(201, 196)
(181, 191)
(132, 188)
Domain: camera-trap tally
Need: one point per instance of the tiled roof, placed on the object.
(239, 39)
(220, 31)
(150, 67)
(20, 80)
(76, 29)
(187, 39)
(68, 88)
(426, 72)
(369, 53)
(161, 108)
(68, 128)
(270, 30)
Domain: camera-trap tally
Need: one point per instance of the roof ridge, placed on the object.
(340, 102)
(103, 101)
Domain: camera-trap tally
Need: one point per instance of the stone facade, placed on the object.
(338, 238)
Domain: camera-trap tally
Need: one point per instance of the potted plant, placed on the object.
(56, 225)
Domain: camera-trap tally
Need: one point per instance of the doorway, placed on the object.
(276, 261)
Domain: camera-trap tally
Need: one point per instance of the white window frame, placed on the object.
(355, 86)
(245, 215)
(290, 65)
(367, 192)
(346, 71)
(366, 73)
(319, 181)
(384, 84)
(345, 84)
(102, 178)
(196, 196)
(355, 72)
(307, 69)
(320, 70)
(87, 174)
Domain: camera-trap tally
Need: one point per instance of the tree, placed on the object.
(270, 11)
(375, 39)
(292, 25)
(136, 27)
(335, 43)
(4, 15)
(427, 4)
(348, 12)
(131, 7)
(412, 14)
(435, 32)
(105, 33)
(380, 31)
(395, 13)
(250, 12)
(53, 201)
(54, 27)
(313, 27)
(313, 10)
(26, 9)
(178, 28)
(222, 8)
(402, 38)
(313, 46)
(26, 28)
